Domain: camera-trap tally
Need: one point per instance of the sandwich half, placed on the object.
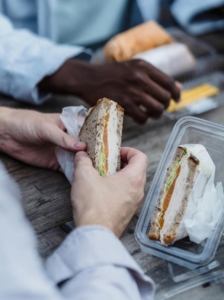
(102, 132)
(166, 221)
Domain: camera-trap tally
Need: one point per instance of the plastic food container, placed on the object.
(188, 130)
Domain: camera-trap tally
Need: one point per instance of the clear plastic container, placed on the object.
(188, 130)
(206, 287)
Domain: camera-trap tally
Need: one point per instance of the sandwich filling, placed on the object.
(189, 179)
(109, 152)
(165, 224)
(169, 186)
(102, 131)
(102, 164)
(179, 200)
(104, 150)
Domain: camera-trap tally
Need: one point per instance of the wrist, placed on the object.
(68, 79)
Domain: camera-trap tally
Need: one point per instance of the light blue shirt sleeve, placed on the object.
(25, 59)
(186, 13)
(92, 262)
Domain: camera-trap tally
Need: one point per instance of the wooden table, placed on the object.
(46, 194)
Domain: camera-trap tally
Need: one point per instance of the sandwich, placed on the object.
(102, 132)
(135, 40)
(188, 173)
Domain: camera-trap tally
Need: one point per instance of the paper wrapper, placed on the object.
(206, 202)
(173, 59)
(73, 118)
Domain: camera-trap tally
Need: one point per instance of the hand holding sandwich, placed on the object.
(31, 137)
(140, 88)
(108, 201)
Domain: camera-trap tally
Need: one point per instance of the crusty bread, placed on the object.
(169, 233)
(135, 40)
(93, 130)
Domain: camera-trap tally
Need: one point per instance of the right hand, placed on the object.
(133, 84)
(108, 201)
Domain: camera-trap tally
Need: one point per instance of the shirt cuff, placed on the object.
(59, 56)
(26, 59)
(39, 96)
(89, 247)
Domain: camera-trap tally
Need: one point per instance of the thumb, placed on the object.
(84, 171)
(82, 159)
(63, 140)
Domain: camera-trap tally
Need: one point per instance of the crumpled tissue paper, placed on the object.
(73, 118)
(206, 202)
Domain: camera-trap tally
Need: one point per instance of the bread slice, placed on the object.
(102, 132)
(173, 199)
(135, 40)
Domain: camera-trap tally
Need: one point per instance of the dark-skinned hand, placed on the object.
(140, 88)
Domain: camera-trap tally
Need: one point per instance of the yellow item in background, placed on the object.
(193, 95)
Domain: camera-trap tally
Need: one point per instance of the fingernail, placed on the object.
(79, 145)
(179, 85)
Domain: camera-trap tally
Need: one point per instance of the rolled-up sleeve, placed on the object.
(93, 264)
(25, 59)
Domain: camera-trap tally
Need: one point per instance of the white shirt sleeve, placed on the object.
(25, 59)
(92, 262)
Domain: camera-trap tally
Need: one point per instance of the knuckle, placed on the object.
(132, 95)
(44, 134)
(136, 76)
(64, 140)
(159, 109)
(139, 62)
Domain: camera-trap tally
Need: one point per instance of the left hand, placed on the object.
(32, 137)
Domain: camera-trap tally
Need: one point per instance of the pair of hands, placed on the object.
(140, 88)
(110, 201)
